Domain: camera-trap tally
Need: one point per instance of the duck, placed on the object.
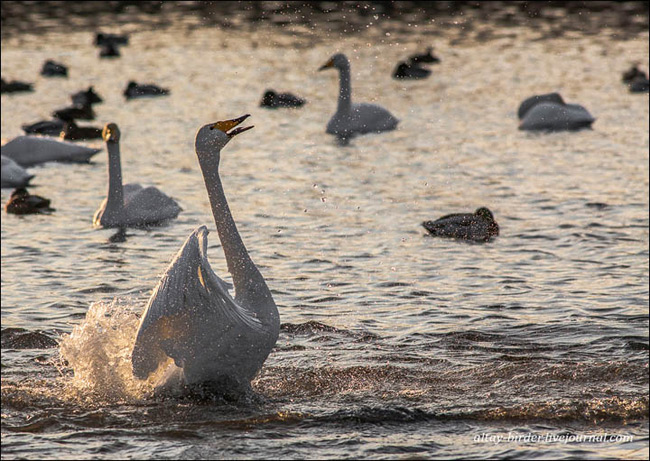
(15, 86)
(54, 69)
(72, 132)
(13, 175)
(22, 202)
(411, 71)
(426, 57)
(640, 84)
(109, 50)
(477, 226)
(217, 342)
(135, 90)
(354, 119)
(129, 205)
(77, 111)
(549, 112)
(102, 39)
(274, 100)
(45, 127)
(632, 73)
(87, 97)
(28, 151)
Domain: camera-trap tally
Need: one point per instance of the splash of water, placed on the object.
(99, 353)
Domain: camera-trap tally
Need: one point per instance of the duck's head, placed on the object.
(339, 60)
(211, 138)
(484, 213)
(111, 133)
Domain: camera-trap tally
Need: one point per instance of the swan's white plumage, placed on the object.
(191, 316)
(34, 150)
(13, 175)
(130, 205)
(354, 119)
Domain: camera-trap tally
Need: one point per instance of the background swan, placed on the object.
(130, 205)
(13, 175)
(352, 119)
(27, 151)
(191, 317)
(549, 112)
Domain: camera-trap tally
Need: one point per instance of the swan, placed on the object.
(191, 317)
(130, 205)
(27, 151)
(478, 226)
(549, 112)
(13, 175)
(352, 119)
(22, 202)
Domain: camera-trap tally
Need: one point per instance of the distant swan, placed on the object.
(130, 205)
(27, 151)
(477, 226)
(352, 119)
(191, 317)
(13, 175)
(549, 112)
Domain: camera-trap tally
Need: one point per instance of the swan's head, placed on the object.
(111, 133)
(211, 138)
(484, 213)
(339, 60)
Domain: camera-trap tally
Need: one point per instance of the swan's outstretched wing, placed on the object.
(189, 304)
(148, 205)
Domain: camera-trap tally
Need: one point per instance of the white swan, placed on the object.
(191, 317)
(28, 151)
(13, 175)
(130, 205)
(352, 119)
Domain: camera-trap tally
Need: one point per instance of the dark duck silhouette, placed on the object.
(410, 71)
(274, 100)
(54, 69)
(88, 97)
(425, 58)
(22, 202)
(110, 50)
(102, 39)
(14, 86)
(134, 90)
(72, 132)
(80, 112)
(549, 112)
(478, 226)
(46, 127)
(632, 73)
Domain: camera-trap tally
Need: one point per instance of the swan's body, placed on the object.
(130, 205)
(353, 119)
(27, 151)
(477, 226)
(191, 317)
(549, 112)
(13, 175)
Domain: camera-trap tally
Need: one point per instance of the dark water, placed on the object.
(393, 344)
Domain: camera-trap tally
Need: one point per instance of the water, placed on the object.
(393, 344)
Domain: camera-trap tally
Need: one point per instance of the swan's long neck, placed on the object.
(245, 275)
(115, 197)
(345, 90)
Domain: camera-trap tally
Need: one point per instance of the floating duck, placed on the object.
(134, 90)
(477, 226)
(22, 202)
(54, 69)
(274, 100)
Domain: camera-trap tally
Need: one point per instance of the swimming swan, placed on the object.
(191, 317)
(13, 175)
(352, 119)
(27, 151)
(130, 205)
(549, 112)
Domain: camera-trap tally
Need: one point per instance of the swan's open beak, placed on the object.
(327, 65)
(228, 124)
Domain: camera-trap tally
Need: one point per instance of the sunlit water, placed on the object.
(394, 344)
